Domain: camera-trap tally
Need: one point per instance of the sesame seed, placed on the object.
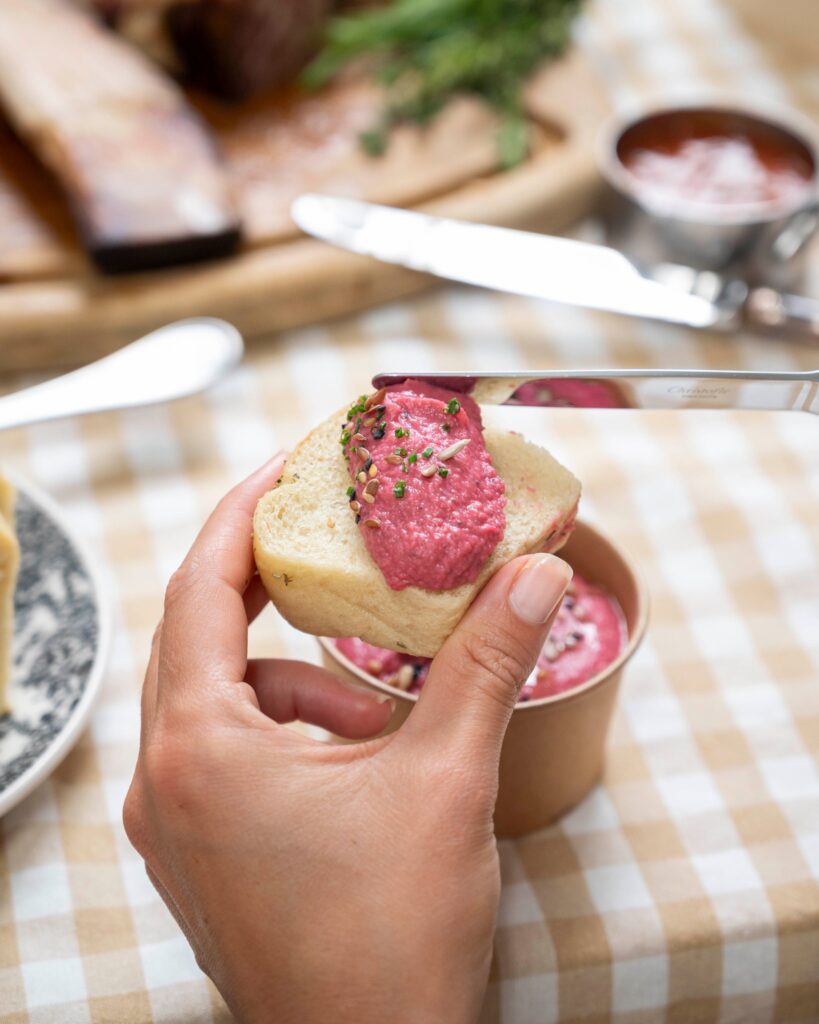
(580, 612)
(404, 677)
(355, 506)
(373, 469)
(331, 523)
(394, 460)
(368, 422)
(369, 498)
(363, 454)
(429, 470)
(452, 451)
(570, 641)
(374, 399)
(362, 478)
(372, 523)
(359, 437)
(371, 487)
(373, 666)
(549, 651)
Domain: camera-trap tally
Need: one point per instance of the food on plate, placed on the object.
(9, 563)
(236, 48)
(426, 52)
(586, 637)
(155, 178)
(389, 518)
(136, 163)
(232, 48)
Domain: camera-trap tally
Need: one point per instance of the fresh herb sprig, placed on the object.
(427, 51)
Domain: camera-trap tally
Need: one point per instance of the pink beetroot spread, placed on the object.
(575, 394)
(588, 634)
(427, 499)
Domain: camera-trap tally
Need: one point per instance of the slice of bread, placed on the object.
(320, 576)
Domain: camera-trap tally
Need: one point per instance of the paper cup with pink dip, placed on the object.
(554, 747)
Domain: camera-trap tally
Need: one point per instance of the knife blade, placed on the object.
(630, 389)
(521, 262)
(559, 269)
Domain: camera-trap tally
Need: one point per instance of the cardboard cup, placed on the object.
(553, 751)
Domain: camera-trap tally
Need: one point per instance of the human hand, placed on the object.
(321, 882)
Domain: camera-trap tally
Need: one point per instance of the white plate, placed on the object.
(62, 635)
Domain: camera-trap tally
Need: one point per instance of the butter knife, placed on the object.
(548, 267)
(631, 389)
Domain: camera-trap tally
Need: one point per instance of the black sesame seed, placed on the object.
(367, 465)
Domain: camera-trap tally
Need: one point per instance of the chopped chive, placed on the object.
(427, 453)
(401, 432)
(345, 437)
(446, 427)
(413, 457)
(402, 452)
(399, 488)
(453, 406)
(443, 472)
(351, 492)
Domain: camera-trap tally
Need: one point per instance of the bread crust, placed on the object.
(321, 578)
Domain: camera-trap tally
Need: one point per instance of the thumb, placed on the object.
(475, 678)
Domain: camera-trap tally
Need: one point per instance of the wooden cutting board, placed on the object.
(56, 311)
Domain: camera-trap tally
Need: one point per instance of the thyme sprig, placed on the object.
(426, 51)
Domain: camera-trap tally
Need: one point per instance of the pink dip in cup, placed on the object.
(588, 634)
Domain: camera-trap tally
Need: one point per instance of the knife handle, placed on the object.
(796, 316)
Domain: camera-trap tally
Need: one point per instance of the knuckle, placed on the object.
(133, 818)
(170, 772)
(496, 663)
(183, 580)
(157, 635)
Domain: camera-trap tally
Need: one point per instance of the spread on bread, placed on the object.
(424, 492)
(9, 562)
(426, 518)
(587, 635)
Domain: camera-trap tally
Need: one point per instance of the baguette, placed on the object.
(317, 570)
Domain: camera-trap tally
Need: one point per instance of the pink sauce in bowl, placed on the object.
(588, 635)
(717, 158)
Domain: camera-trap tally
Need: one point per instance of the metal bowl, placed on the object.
(759, 242)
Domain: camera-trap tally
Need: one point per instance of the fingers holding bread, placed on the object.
(312, 534)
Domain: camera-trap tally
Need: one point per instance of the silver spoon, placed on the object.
(173, 362)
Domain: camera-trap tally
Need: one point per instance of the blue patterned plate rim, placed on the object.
(33, 502)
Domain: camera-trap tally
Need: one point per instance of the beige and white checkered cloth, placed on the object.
(686, 887)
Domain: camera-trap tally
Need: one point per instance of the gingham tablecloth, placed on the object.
(686, 887)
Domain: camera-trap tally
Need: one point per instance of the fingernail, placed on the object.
(386, 699)
(278, 458)
(539, 588)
